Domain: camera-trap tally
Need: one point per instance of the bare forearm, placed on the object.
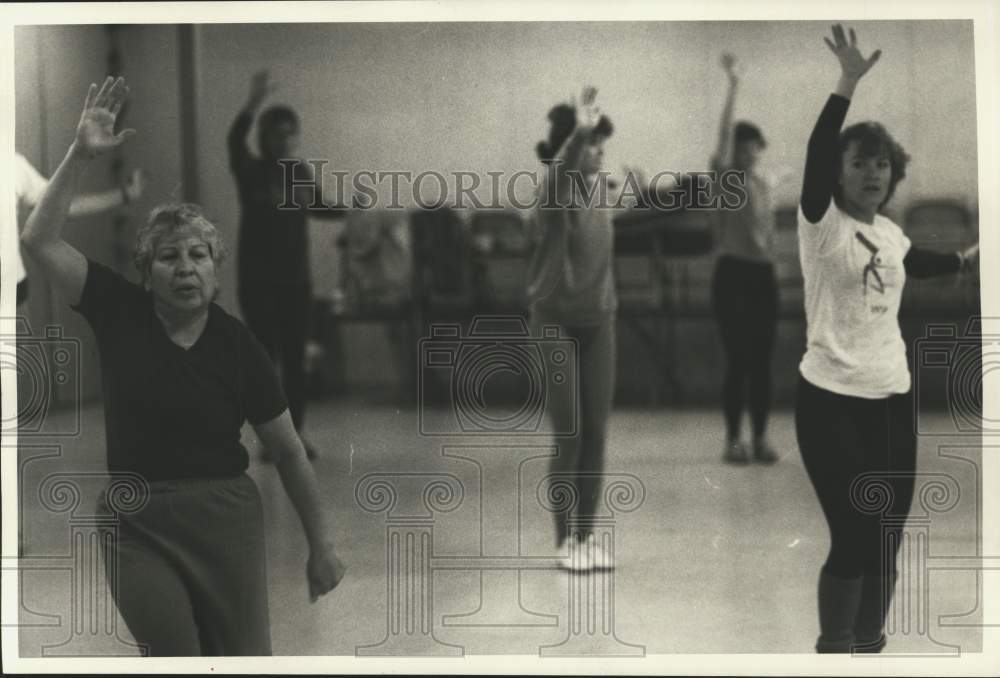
(846, 86)
(723, 150)
(300, 484)
(95, 203)
(49, 216)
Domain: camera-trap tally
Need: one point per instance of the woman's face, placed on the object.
(592, 156)
(746, 154)
(281, 140)
(182, 273)
(864, 180)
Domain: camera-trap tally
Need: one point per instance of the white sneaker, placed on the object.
(600, 558)
(575, 556)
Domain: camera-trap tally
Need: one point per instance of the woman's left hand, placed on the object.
(324, 571)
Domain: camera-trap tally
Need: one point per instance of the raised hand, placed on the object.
(324, 571)
(261, 87)
(852, 65)
(728, 62)
(95, 133)
(587, 112)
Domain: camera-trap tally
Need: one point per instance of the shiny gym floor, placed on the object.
(710, 558)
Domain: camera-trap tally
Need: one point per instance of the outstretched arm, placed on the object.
(64, 265)
(724, 151)
(325, 209)
(94, 203)
(822, 153)
(921, 263)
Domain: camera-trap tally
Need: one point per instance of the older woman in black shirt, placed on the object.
(180, 376)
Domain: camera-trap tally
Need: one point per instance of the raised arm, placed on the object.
(568, 156)
(239, 153)
(42, 238)
(822, 153)
(724, 151)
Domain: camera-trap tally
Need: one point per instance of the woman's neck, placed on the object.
(860, 213)
(183, 327)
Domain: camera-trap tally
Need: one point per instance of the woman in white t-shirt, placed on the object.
(854, 408)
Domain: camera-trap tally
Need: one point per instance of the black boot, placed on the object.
(838, 609)
(876, 596)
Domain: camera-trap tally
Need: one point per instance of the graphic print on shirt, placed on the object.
(877, 276)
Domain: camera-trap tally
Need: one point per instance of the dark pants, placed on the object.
(840, 439)
(745, 301)
(278, 315)
(188, 572)
(580, 458)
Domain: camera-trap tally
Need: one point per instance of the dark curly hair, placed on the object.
(874, 141)
(563, 121)
(747, 131)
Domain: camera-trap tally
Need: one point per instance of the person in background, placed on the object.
(179, 376)
(571, 285)
(854, 411)
(274, 282)
(744, 287)
(29, 186)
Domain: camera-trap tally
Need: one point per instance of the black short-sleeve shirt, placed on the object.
(172, 412)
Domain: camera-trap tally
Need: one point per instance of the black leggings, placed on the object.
(842, 439)
(589, 393)
(278, 315)
(745, 301)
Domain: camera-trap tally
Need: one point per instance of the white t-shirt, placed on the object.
(854, 276)
(29, 186)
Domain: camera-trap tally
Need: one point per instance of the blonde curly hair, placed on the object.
(165, 220)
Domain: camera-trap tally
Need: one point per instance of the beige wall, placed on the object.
(474, 97)
(54, 65)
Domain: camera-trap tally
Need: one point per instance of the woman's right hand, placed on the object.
(95, 133)
(853, 66)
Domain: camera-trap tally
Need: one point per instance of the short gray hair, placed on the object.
(167, 219)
